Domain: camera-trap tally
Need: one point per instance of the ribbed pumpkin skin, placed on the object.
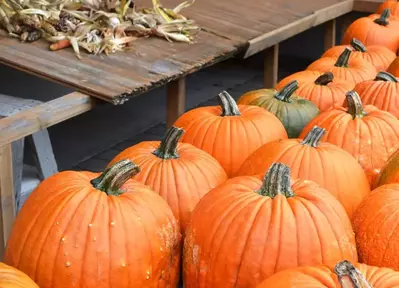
(323, 277)
(394, 67)
(69, 234)
(237, 238)
(13, 278)
(390, 172)
(392, 5)
(376, 224)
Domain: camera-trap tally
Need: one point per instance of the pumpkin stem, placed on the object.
(358, 45)
(355, 106)
(168, 147)
(111, 180)
(385, 76)
(343, 59)
(229, 106)
(277, 181)
(324, 79)
(383, 20)
(314, 136)
(286, 92)
(346, 269)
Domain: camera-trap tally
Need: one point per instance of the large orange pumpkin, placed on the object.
(382, 92)
(376, 224)
(179, 172)
(390, 171)
(392, 5)
(344, 67)
(323, 89)
(82, 229)
(13, 278)
(230, 132)
(246, 230)
(367, 133)
(394, 67)
(344, 275)
(321, 162)
(380, 56)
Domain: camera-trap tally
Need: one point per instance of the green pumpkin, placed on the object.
(293, 111)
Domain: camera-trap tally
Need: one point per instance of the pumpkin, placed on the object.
(367, 133)
(83, 229)
(380, 56)
(323, 89)
(344, 67)
(326, 164)
(390, 171)
(376, 224)
(374, 30)
(394, 67)
(13, 278)
(230, 132)
(344, 275)
(247, 229)
(179, 172)
(293, 111)
(392, 5)
(382, 92)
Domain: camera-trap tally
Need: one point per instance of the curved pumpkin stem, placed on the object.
(277, 181)
(343, 59)
(111, 180)
(355, 106)
(384, 16)
(229, 106)
(286, 92)
(385, 76)
(346, 269)
(324, 79)
(358, 45)
(168, 147)
(314, 136)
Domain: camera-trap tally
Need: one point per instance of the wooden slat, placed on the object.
(271, 67)
(176, 100)
(369, 6)
(330, 34)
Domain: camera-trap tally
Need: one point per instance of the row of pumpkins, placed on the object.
(274, 189)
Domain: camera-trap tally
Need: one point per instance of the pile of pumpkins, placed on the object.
(296, 186)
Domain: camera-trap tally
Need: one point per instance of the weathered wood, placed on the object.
(369, 6)
(176, 100)
(330, 34)
(17, 167)
(271, 66)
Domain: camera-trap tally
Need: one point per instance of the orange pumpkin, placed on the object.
(394, 67)
(382, 92)
(392, 5)
(380, 56)
(344, 67)
(376, 225)
(374, 30)
(323, 89)
(13, 278)
(82, 229)
(317, 161)
(246, 230)
(367, 133)
(344, 275)
(230, 132)
(179, 172)
(390, 171)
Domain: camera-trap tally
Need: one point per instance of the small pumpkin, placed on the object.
(390, 171)
(380, 56)
(394, 67)
(382, 92)
(323, 89)
(293, 111)
(230, 132)
(247, 229)
(344, 275)
(317, 161)
(85, 229)
(392, 5)
(376, 29)
(376, 224)
(344, 67)
(13, 278)
(367, 133)
(179, 172)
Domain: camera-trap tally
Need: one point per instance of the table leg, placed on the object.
(330, 34)
(176, 100)
(271, 66)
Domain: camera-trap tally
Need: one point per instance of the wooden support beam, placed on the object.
(176, 100)
(330, 34)
(271, 66)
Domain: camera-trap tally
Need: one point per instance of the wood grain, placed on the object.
(176, 100)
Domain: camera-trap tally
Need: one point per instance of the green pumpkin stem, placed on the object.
(111, 180)
(324, 79)
(358, 45)
(385, 76)
(277, 181)
(286, 92)
(314, 136)
(346, 269)
(355, 106)
(343, 59)
(384, 16)
(168, 147)
(229, 106)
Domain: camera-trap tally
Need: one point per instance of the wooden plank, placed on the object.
(176, 100)
(369, 6)
(18, 165)
(271, 66)
(330, 34)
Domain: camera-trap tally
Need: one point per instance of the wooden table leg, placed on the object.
(7, 213)
(330, 34)
(176, 100)
(271, 66)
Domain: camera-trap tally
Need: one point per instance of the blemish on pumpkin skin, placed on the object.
(94, 239)
(90, 225)
(112, 223)
(63, 239)
(57, 223)
(67, 264)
